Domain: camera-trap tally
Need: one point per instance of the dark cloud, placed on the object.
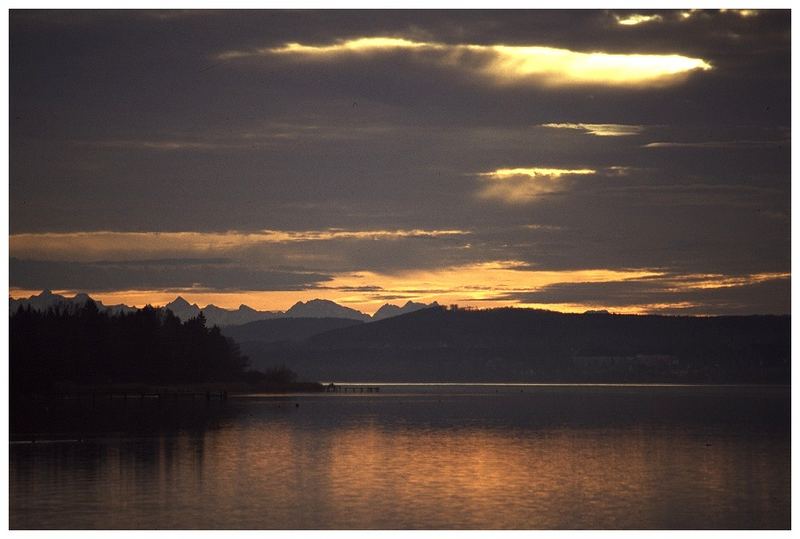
(668, 296)
(153, 275)
(129, 121)
(164, 262)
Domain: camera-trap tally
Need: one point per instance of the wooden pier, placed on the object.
(351, 388)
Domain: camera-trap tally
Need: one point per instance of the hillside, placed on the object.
(285, 329)
(528, 345)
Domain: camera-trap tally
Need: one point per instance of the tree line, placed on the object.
(85, 346)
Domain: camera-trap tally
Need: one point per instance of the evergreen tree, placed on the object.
(87, 346)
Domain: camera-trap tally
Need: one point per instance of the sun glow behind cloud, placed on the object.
(636, 19)
(716, 280)
(521, 185)
(505, 64)
(368, 290)
(600, 130)
(534, 172)
(464, 284)
(744, 13)
(491, 283)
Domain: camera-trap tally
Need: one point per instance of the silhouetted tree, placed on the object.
(87, 346)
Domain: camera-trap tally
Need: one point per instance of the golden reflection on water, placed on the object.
(266, 470)
(557, 479)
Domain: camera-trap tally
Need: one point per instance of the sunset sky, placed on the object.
(632, 161)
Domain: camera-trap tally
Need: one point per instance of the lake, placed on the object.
(413, 456)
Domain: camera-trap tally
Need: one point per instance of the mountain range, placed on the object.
(315, 308)
(48, 299)
(321, 340)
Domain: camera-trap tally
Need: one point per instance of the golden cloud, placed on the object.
(716, 280)
(506, 64)
(521, 185)
(600, 130)
(744, 13)
(104, 245)
(636, 19)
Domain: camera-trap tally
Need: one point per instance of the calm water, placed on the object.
(414, 457)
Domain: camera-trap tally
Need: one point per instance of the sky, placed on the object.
(634, 161)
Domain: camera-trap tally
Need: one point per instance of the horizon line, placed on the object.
(434, 304)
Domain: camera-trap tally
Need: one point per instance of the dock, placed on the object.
(351, 388)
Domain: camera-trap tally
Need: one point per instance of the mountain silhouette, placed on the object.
(388, 310)
(244, 314)
(47, 299)
(183, 309)
(218, 316)
(323, 308)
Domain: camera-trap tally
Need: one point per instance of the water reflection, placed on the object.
(542, 459)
